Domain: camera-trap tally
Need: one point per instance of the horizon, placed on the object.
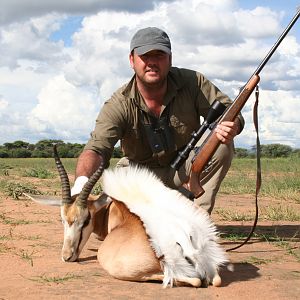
(62, 60)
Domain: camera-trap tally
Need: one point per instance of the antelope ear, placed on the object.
(99, 201)
(45, 199)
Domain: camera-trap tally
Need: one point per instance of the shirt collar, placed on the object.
(174, 84)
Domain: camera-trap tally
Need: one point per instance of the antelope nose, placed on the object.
(67, 255)
(66, 258)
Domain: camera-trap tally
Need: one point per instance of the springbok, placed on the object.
(149, 231)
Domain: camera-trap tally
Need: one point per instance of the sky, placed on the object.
(60, 60)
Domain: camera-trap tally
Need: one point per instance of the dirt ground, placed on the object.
(31, 267)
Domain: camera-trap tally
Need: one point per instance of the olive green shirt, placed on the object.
(189, 96)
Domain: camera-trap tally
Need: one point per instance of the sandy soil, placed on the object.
(31, 267)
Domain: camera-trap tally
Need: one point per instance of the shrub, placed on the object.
(38, 173)
(16, 190)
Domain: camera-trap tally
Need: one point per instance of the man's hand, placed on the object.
(88, 162)
(227, 130)
(78, 185)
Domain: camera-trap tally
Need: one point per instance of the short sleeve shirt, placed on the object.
(189, 97)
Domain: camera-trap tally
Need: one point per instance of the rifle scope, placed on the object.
(215, 111)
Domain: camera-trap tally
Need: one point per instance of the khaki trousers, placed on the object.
(210, 179)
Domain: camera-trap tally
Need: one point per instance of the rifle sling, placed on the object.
(258, 171)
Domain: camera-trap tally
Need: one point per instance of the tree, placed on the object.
(69, 150)
(44, 148)
(16, 145)
(276, 150)
(20, 153)
(3, 153)
(241, 152)
(47, 144)
(296, 152)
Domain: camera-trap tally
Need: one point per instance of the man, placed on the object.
(154, 116)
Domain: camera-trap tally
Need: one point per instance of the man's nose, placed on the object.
(152, 59)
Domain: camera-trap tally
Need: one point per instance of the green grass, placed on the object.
(229, 215)
(25, 255)
(16, 189)
(55, 279)
(233, 236)
(280, 213)
(41, 173)
(4, 165)
(4, 237)
(280, 178)
(4, 248)
(10, 221)
(291, 245)
(18, 164)
(270, 213)
(257, 261)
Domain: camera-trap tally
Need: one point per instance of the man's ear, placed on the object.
(131, 59)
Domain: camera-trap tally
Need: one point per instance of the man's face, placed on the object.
(152, 67)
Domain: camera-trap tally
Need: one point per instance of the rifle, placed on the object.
(210, 145)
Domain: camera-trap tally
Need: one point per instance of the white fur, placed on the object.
(177, 228)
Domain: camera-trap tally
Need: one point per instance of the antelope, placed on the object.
(148, 231)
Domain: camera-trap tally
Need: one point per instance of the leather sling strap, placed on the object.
(258, 171)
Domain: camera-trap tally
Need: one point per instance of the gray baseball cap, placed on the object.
(150, 38)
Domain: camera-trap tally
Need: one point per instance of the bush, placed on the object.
(17, 189)
(276, 150)
(38, 173)
(241, 152)
(19, 153)
(4, 154)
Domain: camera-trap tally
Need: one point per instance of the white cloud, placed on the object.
(3, 104)
(30, 41)
(64, 109)
(15, 10)
(278, 113)
(260, 22)
(54, 91)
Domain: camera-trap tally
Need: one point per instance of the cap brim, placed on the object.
(147, 48)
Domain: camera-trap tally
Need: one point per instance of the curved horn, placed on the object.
(82, 198)
(65, 183)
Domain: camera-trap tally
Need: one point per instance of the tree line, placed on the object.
(269, 151)
(44, 148)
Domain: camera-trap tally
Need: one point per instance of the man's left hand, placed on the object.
(227, 130)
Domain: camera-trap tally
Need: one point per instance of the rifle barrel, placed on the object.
(275, 46)
(211, 143)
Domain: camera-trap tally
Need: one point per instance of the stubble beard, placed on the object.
(150, 82)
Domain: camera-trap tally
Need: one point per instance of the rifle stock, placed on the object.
(211, 143)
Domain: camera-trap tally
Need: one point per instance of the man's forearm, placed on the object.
(88, 162)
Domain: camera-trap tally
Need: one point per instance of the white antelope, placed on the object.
(149, 231)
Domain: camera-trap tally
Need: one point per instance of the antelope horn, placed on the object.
(82, 198)
(65, 183)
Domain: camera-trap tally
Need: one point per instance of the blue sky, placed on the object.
(61, 60)
(67, 28)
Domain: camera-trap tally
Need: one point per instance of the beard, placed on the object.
(152, 78)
